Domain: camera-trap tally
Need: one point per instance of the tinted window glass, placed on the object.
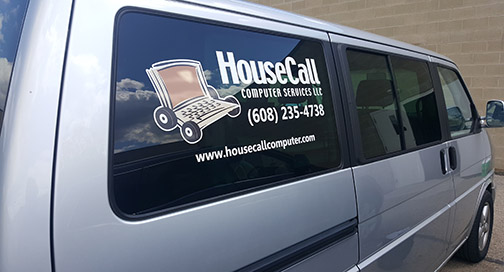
(458, 105)
(376, 107)
(417, 100)
(202, 111)
(11, 21)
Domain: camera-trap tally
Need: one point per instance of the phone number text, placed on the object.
(272, 115)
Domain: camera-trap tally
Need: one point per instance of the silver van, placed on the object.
(227, 136)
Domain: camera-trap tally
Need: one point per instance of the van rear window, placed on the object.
(203, 111)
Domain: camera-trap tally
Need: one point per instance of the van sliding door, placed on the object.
(402, 191)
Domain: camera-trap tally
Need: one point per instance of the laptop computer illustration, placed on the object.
(187, 101)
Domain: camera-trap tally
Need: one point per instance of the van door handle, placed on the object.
(444, 165)
(452, 153)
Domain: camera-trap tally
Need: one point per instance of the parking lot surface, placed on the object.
(495, 258)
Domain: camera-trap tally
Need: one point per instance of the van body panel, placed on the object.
(411, 184)
(28, 136)
(422, 248)
(346, 252)
(244, 225)
(224, 235)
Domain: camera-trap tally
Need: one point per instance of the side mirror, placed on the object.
(495, 113)
(455, 119)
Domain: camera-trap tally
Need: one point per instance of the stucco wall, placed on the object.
(470, 32)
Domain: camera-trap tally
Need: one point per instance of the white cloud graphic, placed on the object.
(208, 74)
(122, 96)
(134, 126)
(128, 83)
(231, 90)
(127, 89)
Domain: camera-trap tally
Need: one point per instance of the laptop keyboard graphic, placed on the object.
(201, 108)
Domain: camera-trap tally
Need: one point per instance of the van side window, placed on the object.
(11, 23)
(376, 106)
(417, 100)
(203, 111)
(384, 128)
(458, 105)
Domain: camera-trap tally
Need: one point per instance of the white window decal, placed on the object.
(243, 71)
(228, 112)
(187, 101)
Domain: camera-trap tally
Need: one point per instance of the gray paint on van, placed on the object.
(28, 136)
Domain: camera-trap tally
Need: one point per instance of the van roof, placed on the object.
(274, 14)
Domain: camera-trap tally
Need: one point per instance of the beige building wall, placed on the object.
(470, 32)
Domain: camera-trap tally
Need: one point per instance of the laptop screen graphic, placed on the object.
(182, 83)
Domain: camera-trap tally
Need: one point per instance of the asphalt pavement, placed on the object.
(494, 262)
